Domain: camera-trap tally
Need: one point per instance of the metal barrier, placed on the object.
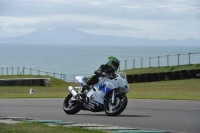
(167, 60)
(160, 76)
(158, 61)
(6, 71)
(26, 82)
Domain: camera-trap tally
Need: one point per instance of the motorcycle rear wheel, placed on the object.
(116, 108)
(71, 106)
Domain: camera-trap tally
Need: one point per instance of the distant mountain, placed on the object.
(73, 36)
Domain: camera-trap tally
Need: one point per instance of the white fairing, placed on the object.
(81, 79)
(105, 86)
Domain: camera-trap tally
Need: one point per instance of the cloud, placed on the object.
(131, 10)
(113, 17)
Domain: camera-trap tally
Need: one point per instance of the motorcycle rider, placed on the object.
(107, 69)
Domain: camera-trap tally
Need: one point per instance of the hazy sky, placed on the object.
(155, 19)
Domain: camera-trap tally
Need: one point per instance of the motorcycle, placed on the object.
(108, 95)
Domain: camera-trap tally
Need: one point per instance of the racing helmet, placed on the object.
(113, 62)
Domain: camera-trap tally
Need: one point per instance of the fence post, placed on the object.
(125, 65)
(133, 63)
(30, 71)
(189, 58)
(168, 60)
(141, 62)
(149, 62)
(23, 70)
(158, 61)
(38, 72)
(178, 59)
(17, 70)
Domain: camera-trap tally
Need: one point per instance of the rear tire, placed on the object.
(116, 108)
(71, 106)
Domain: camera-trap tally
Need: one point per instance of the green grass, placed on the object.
(188, 89)
(162, 69)
(174, 90)
(58, 89)
(42, 128)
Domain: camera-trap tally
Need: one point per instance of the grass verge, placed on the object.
(188, 89)
(58, 89)
(42, 128)
(172, 90)
(175, 90)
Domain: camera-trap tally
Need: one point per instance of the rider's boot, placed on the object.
(81, 94)
(85, 86)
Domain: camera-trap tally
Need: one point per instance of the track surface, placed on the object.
(167, 115)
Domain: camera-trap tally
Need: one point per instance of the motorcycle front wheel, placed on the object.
(114, 109)
(71, 106)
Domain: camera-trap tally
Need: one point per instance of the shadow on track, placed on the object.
(122, 115)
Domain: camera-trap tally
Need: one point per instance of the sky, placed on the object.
(154, 19)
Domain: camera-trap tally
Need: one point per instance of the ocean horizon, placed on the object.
(84, 58)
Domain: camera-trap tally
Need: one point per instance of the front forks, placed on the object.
(113, 97)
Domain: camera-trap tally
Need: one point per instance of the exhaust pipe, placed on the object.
(73, 92)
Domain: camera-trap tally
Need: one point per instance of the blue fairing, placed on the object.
(100, 86)
(106, 90)
(103, 88)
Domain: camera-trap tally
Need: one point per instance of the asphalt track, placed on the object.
(167, 115)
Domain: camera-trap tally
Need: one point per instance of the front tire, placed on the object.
(71, 106)
(116, 108)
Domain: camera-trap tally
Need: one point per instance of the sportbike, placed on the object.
(108, 95)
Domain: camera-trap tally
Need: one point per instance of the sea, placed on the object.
(80, 59)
